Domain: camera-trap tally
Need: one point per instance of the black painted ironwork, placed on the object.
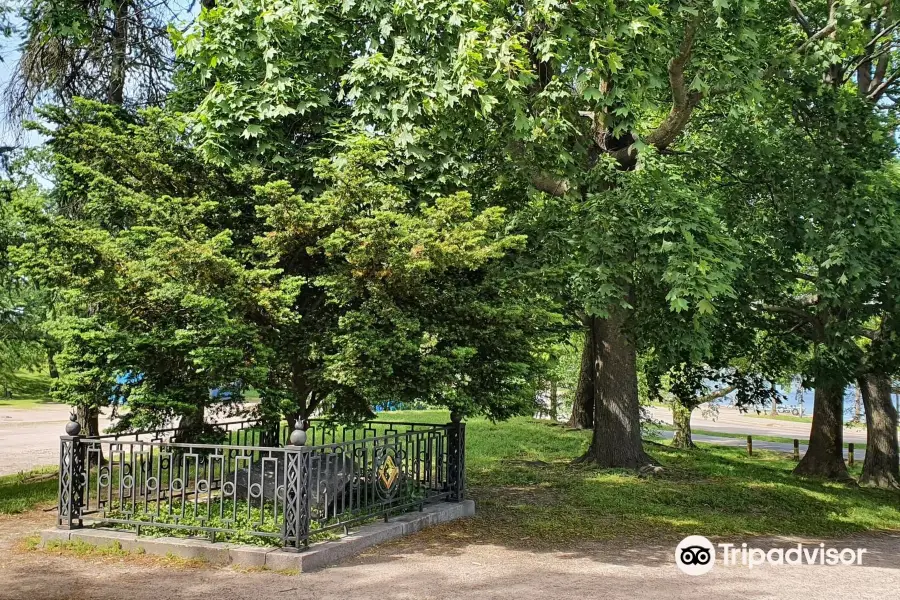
(288, 484)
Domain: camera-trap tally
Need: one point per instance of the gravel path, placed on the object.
(435, 564)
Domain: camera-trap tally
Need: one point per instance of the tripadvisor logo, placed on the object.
(696, 555)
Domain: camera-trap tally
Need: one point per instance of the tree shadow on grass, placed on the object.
(619, 518)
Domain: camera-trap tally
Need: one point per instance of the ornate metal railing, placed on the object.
(244, 432)
(324, 477)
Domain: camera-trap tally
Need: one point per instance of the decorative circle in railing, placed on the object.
(128, 482)
(177, 485)
(104, 477)
(279, 492)
(126, 469)
(164, 463)
(228, 488)
(202, 486)
(255, 490)
(151, 483)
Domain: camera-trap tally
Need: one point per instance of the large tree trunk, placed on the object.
(583, 403)
(825, 455)
(119, 51)
(554, 401)
(51, 363)
(617, 415)
(89, 418)
(681, 417)
(304, 398)
(191, 425)
(882, 466)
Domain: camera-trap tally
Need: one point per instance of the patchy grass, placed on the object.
(106, 553)
(528, 491)
(29, 389)
(24, 491)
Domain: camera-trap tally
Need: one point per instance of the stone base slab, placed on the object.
(318, 555)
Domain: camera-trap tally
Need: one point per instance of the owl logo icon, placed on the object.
(695, 555)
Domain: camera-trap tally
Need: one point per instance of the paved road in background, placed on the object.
(858, 453)
(29, 437)
(729, 420)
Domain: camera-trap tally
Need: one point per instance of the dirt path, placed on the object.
(440, 563)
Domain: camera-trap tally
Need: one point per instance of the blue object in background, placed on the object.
(126, 378)
(226, 394)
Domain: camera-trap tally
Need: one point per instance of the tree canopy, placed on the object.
(198, 278)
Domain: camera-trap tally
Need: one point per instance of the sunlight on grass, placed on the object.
(521, 475)
(29, 389)
(24, 491)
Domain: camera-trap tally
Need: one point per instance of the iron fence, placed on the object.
(263, 482)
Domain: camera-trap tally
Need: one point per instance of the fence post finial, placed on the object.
(298, 435)
(73, 427)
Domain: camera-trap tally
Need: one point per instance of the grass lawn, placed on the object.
(528, 492)
(24, 491)
(29, 390)
(521, 476)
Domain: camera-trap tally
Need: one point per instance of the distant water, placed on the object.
(803, 400)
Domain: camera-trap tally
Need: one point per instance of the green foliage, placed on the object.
(196, 277)
(240, 516)
(423, 70)
(819, 225)
(24, 340)
(529, 89)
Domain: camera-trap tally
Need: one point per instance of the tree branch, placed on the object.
(881, 34)
(876, 94)
(789, 310)
(868, 334)
(829, 28)
(717, 394)
(798, 275)
(683, 100)
(550, 184)
(881, 68)
(801, 18)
